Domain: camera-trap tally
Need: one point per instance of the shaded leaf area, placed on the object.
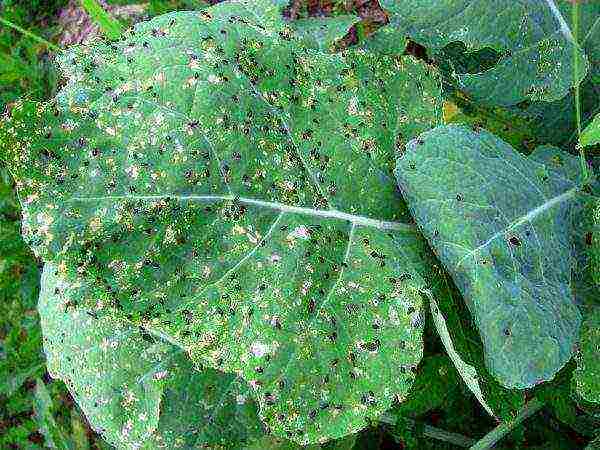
(586, 377)
(223, 184)
(528, 123)
(594, 445)
(500, 223)
(564, 407)
(469, 354)
(555, 122)
(537, 47)
(525, 125)
(454, 407)
(136, 390)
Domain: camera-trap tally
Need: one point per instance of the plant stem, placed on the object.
(582, 159)
(434, 432)
(490, 439)
(29, 34)
(446, 436)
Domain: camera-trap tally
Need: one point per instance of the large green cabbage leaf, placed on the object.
(501, 223)
(539, 52)
(231, 189)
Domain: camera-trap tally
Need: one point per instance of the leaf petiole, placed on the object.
(490, 439)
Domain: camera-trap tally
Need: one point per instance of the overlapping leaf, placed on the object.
(135, 390)
(225, 185)
(501, 225)
(539, 52)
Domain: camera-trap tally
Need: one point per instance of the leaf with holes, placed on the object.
(135, 389)
(228, 186)
(539, 51)
(501, 224)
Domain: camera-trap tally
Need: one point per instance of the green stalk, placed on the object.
(490, 439)
(29, 34)
(433, 432)
(110, 27)
(582, 160)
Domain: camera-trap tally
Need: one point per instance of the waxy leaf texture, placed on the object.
(501, 224)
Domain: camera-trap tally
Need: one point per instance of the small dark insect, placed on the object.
(514, 240)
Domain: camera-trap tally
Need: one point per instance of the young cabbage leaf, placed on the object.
(501, 224)
(137, 391)
(230, 188)
(538, 48)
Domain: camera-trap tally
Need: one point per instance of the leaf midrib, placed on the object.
(527, 218)
(323, 213)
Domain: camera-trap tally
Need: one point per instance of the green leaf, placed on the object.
(109, 26)
(322, 33)
(586, 377)
(135, 390)
(591, 135)
(386, 40)
(536, 41)
(53, 434)
(224, 185)
(501, 225)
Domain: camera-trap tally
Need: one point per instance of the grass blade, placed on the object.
(29, 34)
(111, 28)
